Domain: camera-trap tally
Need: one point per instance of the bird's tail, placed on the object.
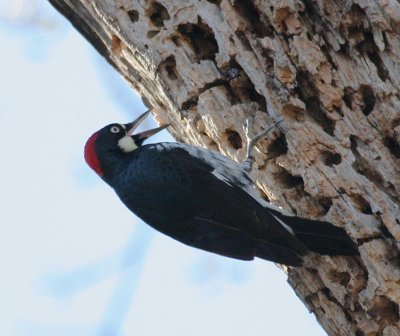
(320, 237)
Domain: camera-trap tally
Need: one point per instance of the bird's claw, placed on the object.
(248, 126)
(252, 141)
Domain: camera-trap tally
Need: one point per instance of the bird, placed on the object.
(205, 199)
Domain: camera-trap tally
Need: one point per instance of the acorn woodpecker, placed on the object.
(204, 199)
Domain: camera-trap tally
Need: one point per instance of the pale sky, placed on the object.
(74, 260)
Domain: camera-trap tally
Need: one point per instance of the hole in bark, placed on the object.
(243, 38)
(386, 233)
(328, 57)
(158, 14)
(176, 40)
(269, 60)
(311, 11)
(331, 297)
(368, 239)
(385, 310)
(361, 204)
(169, 66)
(231, 94)
(293, 112)
(393, 146)
(215, 2)
(326, 204)
(230, 72)
(244, 89)
(315, 111)
(287, 180)
(359, 332)
(201, 38)
(307, 92)
(348, 97)
(281, 15)
(330, 158)
(152, 33)
(395, 122)
(380, 66)
(369, 99)
(265, 197)
(254, 96)
(351, 28)
(208, 86)
(234, 139)
(345, 50)
(189, 104)
(369, 48)
(278, 147)
(248, 10)
(352, 25)
(339, 277)
(133, 15)
(362, 167)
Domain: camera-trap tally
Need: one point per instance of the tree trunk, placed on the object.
(331, 70)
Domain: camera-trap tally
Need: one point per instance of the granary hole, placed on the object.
(330, 158)
(234, 139)
(361, 204)
(152, 33)
(368, 97)
(215, 2)
(278, 147)
(326, 204)
(287, 180)
(339, 277)
(169, 66)
(133, 15)
(368, 47)
(243, 88)
(201, 38)
(158, 14)
(392, 145)
(308, 93)
(257, 23)
(385, 310)
(348, 97)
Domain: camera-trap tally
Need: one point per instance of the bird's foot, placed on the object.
(253, 140)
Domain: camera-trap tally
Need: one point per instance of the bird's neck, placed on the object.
(112, 163)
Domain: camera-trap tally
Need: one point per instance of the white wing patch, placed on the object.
(230, 172)
(287, 227)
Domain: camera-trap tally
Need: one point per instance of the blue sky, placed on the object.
(75, 260)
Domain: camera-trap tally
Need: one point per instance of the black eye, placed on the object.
(114, 129)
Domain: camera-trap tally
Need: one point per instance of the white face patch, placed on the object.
(127, 144)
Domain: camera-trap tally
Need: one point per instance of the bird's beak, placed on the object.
(135, 124)
(140, 137)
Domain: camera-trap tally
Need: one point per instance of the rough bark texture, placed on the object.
(331, 69)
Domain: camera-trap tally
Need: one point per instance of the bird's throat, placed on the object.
(127, 144)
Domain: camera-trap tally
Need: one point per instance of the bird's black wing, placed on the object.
(194, 200)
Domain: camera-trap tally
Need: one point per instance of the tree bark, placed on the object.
(331, 70)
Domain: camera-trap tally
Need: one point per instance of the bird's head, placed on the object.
(115, 140)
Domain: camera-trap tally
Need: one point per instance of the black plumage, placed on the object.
(206, 200)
